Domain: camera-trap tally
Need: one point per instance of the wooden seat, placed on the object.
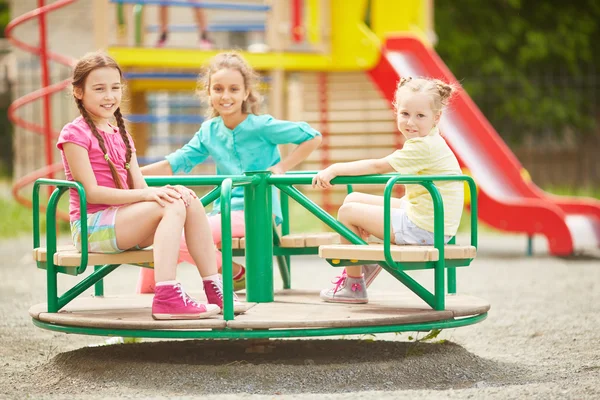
(309, 239)
(374, 252)
(68, 256)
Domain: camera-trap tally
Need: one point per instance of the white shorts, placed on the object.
(406, 232)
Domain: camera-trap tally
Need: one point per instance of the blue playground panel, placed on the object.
(214, 6)
(173, 119)
(224, 27)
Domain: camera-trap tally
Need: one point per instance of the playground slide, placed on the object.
(508, 200)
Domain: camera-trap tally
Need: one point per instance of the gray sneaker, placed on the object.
(370, 272)
(346, 290)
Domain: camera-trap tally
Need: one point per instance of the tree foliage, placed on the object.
(4, 16)
(531, 66)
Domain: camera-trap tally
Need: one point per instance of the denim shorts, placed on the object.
(406, 232)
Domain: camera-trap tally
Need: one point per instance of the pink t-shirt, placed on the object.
(79, 132)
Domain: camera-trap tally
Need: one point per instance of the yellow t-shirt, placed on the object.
(430, 155)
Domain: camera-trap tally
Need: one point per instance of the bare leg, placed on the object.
(214, 221)
(357, 197)
(361, 217)
(198, 237)
(201, 21)
(163, 19)
(200, 17)
(136, 222)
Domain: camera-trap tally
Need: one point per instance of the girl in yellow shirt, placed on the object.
(418, 103)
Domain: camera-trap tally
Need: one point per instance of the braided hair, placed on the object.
(83, 68)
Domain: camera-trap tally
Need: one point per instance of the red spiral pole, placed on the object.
(45, 93)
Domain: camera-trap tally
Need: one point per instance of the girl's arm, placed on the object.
(354, 168)
(158, 168)
(81, 169)
(299, 154)
(136, 174)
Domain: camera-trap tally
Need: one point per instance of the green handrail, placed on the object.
(195, 180)
(211, 196)
(438, 236)
(226, 250)
(436, 300)
(51, 217)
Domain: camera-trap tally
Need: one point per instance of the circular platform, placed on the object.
(294, 313)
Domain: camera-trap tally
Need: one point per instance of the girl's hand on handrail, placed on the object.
(161, 194)
(323, 178)
(277, 169)
(187, 194)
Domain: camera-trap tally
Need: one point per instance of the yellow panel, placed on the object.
(389, 17)
(313, 21)
(353, 47)
(143, 85)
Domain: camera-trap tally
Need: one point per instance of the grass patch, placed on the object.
(302, 220)
(17, 220)
(593, 192)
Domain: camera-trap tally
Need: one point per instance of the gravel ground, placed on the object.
(540, 341)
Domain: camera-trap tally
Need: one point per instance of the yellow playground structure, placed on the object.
(313, 61)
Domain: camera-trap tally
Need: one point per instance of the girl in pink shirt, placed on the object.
(123, 212)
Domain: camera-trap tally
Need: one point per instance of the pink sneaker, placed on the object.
(214, 294)
(172, 302)
(162, 40)
(205, 44)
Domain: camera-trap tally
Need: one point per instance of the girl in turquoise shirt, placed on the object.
(238, 140)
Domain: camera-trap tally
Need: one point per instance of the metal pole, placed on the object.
(259, 239)
(47, 117)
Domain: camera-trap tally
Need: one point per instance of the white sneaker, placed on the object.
(346, 290)
(370, 271)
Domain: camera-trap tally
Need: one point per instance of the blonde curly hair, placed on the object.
(440, 91)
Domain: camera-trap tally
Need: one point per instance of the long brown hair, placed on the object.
(83, 68)
(235, 62)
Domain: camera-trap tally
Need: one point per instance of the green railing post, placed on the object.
(452, 273)
(284, 269)
(226, 250)
(51, 273)
(259, 239)
(439, 271)
(285, 230)
(98, 286)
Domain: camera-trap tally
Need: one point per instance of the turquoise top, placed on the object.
(250, 146)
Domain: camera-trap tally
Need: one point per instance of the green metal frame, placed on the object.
(262, 243)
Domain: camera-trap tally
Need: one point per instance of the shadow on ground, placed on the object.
(271, 367)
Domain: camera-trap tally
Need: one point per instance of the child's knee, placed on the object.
(354, 197)
(175, 208)
(196, 206)
(346, 211)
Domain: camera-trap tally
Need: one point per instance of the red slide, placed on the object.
(507, 201)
